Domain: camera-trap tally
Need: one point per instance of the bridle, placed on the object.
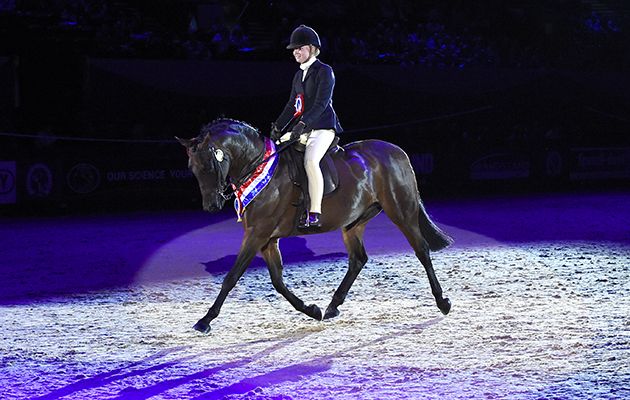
(225, 187)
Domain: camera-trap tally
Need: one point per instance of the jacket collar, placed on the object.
(307, 64)
(313, 65)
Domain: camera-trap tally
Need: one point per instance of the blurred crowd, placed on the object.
(437, 34)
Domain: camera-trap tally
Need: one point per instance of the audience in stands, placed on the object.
(451, 34)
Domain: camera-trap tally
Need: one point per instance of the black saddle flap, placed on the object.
(329, 171)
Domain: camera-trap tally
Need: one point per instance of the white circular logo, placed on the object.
(39, 180)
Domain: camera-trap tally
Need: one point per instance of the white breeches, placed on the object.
(317, 142)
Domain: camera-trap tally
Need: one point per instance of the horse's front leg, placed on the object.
(246, 254)
(357, 257)
(273, 258)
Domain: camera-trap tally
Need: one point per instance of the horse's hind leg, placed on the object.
(273, 258)
(412, 232)
(422, 252)
(421, 247)
(357, 257)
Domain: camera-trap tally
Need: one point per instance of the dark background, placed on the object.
(484, 96)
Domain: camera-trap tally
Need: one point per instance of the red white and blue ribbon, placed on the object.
(298, 105)
(257, 182)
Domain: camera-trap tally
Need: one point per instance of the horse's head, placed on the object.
(210, 167)
(222, 151)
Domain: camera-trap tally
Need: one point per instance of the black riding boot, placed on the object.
(312, 221)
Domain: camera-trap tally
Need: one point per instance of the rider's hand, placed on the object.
(275, 132)
(297, 130)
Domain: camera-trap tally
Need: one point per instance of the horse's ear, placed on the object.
(205, 142)
(188, 143)
(184, 142)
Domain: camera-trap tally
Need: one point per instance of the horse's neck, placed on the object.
(247, 154)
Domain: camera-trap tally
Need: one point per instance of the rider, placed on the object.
(309, 112)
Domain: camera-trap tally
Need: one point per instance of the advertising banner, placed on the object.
(7, 182)
(600, 163)
(501, 166)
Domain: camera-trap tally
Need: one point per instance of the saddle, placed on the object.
(295, 158)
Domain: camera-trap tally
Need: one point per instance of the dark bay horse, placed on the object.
(374, 176)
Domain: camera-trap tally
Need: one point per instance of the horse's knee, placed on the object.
(357, 263)
(363, 257)
(357, 253)
(360, 260)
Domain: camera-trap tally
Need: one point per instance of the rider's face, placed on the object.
(302, 53)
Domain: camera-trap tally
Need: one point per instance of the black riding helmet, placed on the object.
(303, 35)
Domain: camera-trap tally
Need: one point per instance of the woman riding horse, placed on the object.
(374, 176)
(309, 111)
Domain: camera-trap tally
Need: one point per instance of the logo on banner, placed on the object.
(553, 164)
(500, 166)
(7, 182)
(600, 163)
(83, 178)
(39, 181)
(299, 105)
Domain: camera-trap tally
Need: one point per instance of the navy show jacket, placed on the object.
(317, 90)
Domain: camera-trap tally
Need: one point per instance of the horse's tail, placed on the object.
(436, 238)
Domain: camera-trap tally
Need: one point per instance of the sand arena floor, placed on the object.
(101, 307)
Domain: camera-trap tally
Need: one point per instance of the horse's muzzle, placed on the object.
(213, 205)
(211, 208)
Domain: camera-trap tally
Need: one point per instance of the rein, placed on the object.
(227, 189)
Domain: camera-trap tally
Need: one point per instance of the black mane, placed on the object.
(227, 124)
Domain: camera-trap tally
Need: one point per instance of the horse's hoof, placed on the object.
(202, 327)
(331, 313)
(444, 305)
(314, 312)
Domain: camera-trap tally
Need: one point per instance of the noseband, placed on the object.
(224, 188)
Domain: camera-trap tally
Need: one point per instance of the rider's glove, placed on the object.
(275, 132)
(297, 130)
